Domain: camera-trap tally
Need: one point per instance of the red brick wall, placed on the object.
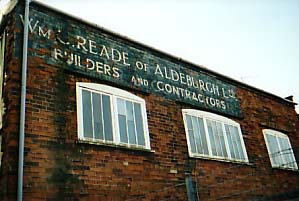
(10, 129)
(228, 181)
(58, 167)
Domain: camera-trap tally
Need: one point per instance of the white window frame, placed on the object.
(113, 93)
(216, 118)
(280, 135)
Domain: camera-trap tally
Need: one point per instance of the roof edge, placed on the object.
(179, 59)
(7, 9)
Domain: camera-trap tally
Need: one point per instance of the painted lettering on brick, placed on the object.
(89, 51)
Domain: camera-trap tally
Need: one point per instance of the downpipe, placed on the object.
(23, 102)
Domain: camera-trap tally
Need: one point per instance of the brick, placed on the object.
(58, 167)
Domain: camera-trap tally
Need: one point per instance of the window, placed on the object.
(279, 149)
(111, 116)
(213, 136)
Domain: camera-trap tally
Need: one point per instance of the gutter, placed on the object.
(23, 102)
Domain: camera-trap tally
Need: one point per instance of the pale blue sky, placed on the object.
(254, 41)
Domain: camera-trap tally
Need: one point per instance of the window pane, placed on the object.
(216, 138)
(131, 132)
(199, 135)
(203, 136)
(97, 116)
(130, 122)
(196, 135)
(274, 150)
(121, 107)
(122, 120)
(230, 141)
(286, 153)
(220, 134)
(234, 142)
(87, 114)
(107, 117)
(122, 128)
(211, 137)
(190, 134)
(139, 124)
(237, 143)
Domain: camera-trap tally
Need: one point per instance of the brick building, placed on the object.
(108, 118)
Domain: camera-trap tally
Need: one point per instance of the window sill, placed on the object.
(121, 146)
(222, 160)
(285, 168)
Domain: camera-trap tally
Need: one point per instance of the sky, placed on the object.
(252, 41)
